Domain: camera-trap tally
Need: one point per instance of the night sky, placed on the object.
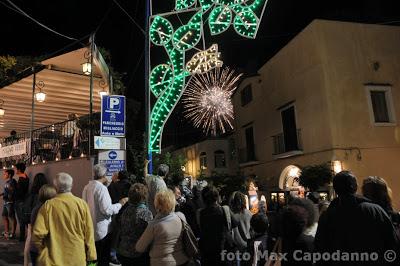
(282, 20)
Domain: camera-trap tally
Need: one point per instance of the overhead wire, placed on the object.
(130, 17)
(135, 69)
(10, 7)
(103, 19)
(20, 11)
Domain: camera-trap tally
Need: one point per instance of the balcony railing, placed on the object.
(64, 140)
(279, 143)
(247, 155)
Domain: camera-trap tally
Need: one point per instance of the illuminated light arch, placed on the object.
(167, 81)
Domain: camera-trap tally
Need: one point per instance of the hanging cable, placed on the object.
(103, 19)
(20, 11)
(135, 69)
(9, 7)
(123, 10)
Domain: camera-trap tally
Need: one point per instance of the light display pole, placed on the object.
(167, 81)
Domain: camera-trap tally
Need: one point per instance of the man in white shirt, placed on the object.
(101, 209)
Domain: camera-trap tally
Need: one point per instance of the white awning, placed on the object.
(67, 91)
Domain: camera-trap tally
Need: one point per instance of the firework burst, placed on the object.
(207, 100)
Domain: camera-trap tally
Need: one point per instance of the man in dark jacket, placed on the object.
(352, 224)
(21, 194)
(215, 240)
(119, 188)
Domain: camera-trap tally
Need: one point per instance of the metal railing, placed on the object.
(64, 140)
(279, 143)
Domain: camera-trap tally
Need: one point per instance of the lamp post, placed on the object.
(92, 50)
(32, 113)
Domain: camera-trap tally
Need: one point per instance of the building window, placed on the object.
(289, 129)
(246, 95)
(248, 153)
(219, 157)
(203, 161)
(289, 140)
(381, 105)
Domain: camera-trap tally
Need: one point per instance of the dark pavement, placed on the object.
(11, 251)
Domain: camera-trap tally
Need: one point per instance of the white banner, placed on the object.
(13, 150)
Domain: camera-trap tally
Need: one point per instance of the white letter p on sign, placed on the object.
(114, 102)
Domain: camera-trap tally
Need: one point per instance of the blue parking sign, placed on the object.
(112, 116)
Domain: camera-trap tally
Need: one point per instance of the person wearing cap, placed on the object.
(353, 223)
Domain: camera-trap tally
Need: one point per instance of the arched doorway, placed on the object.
(289, 180)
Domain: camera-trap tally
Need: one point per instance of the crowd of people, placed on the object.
(174, 223)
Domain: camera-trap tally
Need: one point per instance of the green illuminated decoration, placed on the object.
(167, 81)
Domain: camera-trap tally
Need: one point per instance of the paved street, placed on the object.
(11, 252)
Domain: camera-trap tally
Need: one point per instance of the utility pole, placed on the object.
(32, 113)
(147, 87)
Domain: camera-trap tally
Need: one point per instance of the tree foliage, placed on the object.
(6, 64)
(226, 184)
(11, 66)
(118, 77)
(315, 176)
(175, 163)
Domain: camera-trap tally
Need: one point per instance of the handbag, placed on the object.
(190, 244)
(228, 233)
(273, 258)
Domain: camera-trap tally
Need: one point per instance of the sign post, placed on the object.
(112, 142)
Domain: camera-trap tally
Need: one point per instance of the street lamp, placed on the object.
(2, 111)
(40, 96)
(87, 66)
(337, 166)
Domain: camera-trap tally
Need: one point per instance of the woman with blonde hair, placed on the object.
(46, 192)
(164, 234)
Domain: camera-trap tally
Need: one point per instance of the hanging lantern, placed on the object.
(40, 96)
(87, 66)
(2, 111)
